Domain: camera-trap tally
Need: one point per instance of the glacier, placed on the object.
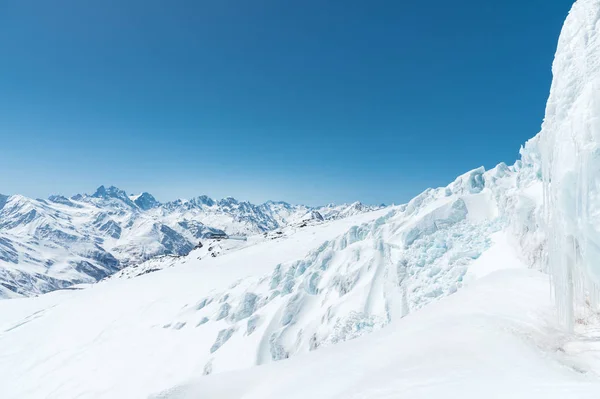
(288, 297)
(570, 155)
(446, 295)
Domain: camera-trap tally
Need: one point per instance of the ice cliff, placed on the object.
(570, 156)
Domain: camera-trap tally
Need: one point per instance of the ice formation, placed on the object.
(336, 281)
(570, 154)
(374, 273)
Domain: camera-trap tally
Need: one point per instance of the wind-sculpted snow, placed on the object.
(378, 272)
(439, 218)
(361, 281)
(64, 241)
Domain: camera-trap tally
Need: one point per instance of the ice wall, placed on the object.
(570, 153)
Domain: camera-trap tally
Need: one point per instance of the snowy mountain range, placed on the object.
(445, 296)
(58, 242)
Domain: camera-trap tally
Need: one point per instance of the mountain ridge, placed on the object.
(46, 244)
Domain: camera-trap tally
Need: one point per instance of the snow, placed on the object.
(494, 339)
(445, 296)
(55, 243)
(268, 299)
(127, 337)
(494, 259)
(570, 152)
(300, 294)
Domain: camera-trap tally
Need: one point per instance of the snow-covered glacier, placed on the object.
(447, 295)
(374, 273)
(296, 295)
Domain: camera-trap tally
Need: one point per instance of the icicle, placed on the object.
(569, 146)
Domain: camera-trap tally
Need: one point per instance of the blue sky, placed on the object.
(313, 101)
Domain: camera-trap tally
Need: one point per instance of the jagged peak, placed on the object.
(228, 201)
(313, 215)
(111, 191)
(100, 192)
(145, 201)
(276, 206)
(271, 202)
(203, 200)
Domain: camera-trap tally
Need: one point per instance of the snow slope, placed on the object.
(443, 296)
(55, 243)
(499, 337)
(269, 300)
(110, 340)
(495, 339)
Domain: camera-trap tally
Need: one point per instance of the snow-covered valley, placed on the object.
(486, 287)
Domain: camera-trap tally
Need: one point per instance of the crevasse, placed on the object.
(570, 154)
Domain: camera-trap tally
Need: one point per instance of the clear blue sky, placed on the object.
(307, 101)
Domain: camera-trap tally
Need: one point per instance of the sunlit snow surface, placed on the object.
(59, 242)
(294, 296)
(113, 339)
(442, 297)
(494, 339)
(291, 296)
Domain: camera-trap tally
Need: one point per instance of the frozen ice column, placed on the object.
(569, 147)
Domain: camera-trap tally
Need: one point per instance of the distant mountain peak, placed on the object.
(203, 200)
(313, 215)
(145, 201)
(271, 202)
(113, 192)
(228, 201)
(100, 192)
